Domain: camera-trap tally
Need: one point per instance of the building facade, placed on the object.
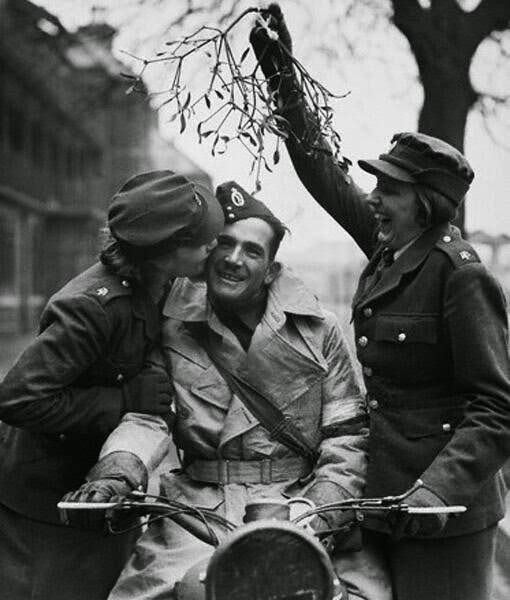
(69, 136)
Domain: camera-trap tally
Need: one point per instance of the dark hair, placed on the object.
(433, 207)
(279, 230)
(115, 258)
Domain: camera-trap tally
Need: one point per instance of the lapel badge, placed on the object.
(236, 197)
(102, 291)
(465, 255)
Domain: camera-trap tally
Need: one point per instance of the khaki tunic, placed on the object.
(299, 357)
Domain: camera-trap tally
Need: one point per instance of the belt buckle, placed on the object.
(266, 471)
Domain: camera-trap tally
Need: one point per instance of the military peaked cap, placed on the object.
(420, 158)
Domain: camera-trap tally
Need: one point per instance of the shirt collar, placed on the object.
(187, 300)
(401, 251)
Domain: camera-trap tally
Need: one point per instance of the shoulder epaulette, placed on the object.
(111, 288)
(457, 249)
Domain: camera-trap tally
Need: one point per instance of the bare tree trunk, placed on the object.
(443, 51)
(448, 98)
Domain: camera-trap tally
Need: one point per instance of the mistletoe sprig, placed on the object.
(239, 100)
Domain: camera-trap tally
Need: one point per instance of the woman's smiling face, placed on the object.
(395, 207)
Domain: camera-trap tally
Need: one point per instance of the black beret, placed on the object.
(237, 204)
(420, 158)
(155, 209)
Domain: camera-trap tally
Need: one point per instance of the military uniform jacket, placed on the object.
(298, 357)
(64, 394)
(431, 337)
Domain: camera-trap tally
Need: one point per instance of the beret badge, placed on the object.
(236, 197)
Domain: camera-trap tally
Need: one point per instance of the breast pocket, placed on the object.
(416, 436)
(407, 329)
(197, 377)
(432, 422)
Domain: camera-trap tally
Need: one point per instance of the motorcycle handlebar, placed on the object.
(198, 521)
(190, 518)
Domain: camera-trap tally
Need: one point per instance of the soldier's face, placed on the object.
(396, 210)
(240, 267)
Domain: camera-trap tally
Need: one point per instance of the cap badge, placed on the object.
(102, 291)
(236, 197)
(465, 255)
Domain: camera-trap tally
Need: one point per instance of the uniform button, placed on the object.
(374, 405)
(125, 283)
(120, 378)
(447, 238)
(363, 341)
(62, 437)
(367, 312)
(447, 427)
(401, 337)
(367, 371)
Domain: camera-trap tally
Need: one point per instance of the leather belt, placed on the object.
(247, 471)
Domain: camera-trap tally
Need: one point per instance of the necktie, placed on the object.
(386, 260)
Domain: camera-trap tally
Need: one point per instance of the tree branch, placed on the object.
(489, 16)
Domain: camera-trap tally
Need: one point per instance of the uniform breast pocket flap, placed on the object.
(405, 329)
(425, 423)
(212, 388)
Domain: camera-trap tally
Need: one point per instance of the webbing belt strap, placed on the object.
(247, 471)
(280, 427)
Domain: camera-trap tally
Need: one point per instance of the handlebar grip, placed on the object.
(86, 505)
(435, 510)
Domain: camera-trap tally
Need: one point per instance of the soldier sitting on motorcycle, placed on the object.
(255, 326)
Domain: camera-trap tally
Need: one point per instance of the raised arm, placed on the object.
(325, 179)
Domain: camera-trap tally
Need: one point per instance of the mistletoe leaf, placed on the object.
(244, 55)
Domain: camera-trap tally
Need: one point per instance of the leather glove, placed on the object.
(273, 59)
(409, 525)
(346, 535)
(149, 392)
(113, 477)
(322, 529)
(102, 490)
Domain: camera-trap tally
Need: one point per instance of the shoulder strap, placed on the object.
(279, 426)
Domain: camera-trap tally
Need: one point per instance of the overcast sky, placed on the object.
(384, 98)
